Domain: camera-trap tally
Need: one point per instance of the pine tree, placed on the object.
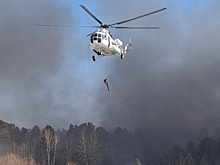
(181, 160)
(189, 160)
(5, 137)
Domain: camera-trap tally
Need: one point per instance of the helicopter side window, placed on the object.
(91, 39)
(99, 40)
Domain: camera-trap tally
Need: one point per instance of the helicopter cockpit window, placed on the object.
(96, 37)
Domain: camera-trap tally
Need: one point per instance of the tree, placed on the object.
(173, 155)
(89, 147)
(50, 140)
(181, 160)
(55, 145)
(189, 160)
(35, 132)
(208, 149)
(68, 143)
(5, 137)
(35, 138)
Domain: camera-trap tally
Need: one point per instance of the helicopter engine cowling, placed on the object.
(118, 42)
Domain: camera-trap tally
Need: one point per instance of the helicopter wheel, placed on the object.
(93, 58)
(122, 56)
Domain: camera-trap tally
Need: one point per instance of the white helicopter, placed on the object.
(102, 42)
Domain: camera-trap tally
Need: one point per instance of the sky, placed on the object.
(170, 80)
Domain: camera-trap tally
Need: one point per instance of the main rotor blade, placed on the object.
(90, 26)
(66, 26)
(118, 23)
(90, 34)
(133, 27)
(91, 14)
(53, 25)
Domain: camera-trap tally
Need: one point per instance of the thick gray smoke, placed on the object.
(171, 79)
(46, 73)
(30, 59)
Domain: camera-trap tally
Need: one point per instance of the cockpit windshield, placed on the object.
(97, 37)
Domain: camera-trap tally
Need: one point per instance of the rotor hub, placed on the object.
(105, 26)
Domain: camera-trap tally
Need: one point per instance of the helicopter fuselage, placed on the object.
(103, 43)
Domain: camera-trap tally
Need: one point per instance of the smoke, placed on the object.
(31, 58)
(47, 76)
(171, 79)
(169, 82)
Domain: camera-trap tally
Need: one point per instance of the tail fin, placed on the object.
(129, 46)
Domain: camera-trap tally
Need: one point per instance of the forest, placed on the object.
(87, 144)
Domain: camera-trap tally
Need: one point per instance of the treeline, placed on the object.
(207, 152)
(89, 145)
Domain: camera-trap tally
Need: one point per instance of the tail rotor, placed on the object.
(128, 47)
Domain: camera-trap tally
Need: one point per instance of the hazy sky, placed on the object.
(170, 80)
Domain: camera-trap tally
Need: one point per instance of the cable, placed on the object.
(110, 136)
(107, 66)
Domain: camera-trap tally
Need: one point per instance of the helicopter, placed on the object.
(102, 41)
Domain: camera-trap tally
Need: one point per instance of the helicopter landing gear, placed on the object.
(122, 56)
(93, 58)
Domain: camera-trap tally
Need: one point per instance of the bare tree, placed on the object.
(50, 140)
(55, 144)
(89, 147)
(29, 147)
(81, 148)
